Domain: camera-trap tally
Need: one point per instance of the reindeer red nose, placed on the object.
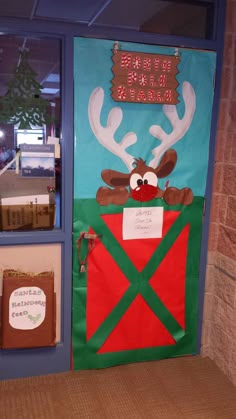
(144, 192)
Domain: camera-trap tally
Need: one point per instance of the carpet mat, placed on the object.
(181, 388)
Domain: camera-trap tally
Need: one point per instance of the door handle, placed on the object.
(90, 237)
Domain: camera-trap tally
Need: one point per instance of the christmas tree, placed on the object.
(23, 105)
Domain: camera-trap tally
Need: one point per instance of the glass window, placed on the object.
(30, 123)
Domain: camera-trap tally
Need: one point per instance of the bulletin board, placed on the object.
(141, 160)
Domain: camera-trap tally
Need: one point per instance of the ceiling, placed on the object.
(169, 17)
(132, 14)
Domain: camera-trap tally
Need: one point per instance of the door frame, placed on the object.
(40, 361)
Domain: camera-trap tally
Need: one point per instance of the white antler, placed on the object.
(105, 135)
(180, 126)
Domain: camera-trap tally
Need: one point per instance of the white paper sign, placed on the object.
(27, 308)
(142, 223)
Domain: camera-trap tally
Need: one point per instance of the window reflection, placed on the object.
(30, 115)
(29, 136)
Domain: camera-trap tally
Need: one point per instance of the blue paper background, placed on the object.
(93, 68)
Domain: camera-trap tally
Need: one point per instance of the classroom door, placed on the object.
(142, 129)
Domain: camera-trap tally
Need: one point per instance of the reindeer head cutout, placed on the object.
(141, 179)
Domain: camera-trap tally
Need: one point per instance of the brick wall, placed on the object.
(219, 326)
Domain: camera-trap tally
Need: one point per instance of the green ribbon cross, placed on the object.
(90, 213)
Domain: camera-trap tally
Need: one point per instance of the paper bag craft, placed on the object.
(28, 310)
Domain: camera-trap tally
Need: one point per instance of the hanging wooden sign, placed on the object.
(144, 78)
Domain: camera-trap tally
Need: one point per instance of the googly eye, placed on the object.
(150, 178)
(135, 180)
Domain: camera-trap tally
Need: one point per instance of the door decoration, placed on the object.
(137, 220)
(144, 78)
(143, 179)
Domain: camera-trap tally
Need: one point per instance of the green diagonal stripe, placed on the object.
(109, 241)
(166, 244)
(162, 312)
(112, 319)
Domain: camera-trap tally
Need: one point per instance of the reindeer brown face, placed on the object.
(143, 182)
(143, 179)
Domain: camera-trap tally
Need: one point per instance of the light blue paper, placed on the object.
(93, 68)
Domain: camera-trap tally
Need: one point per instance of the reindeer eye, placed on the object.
(135, 180)
(150, 178)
